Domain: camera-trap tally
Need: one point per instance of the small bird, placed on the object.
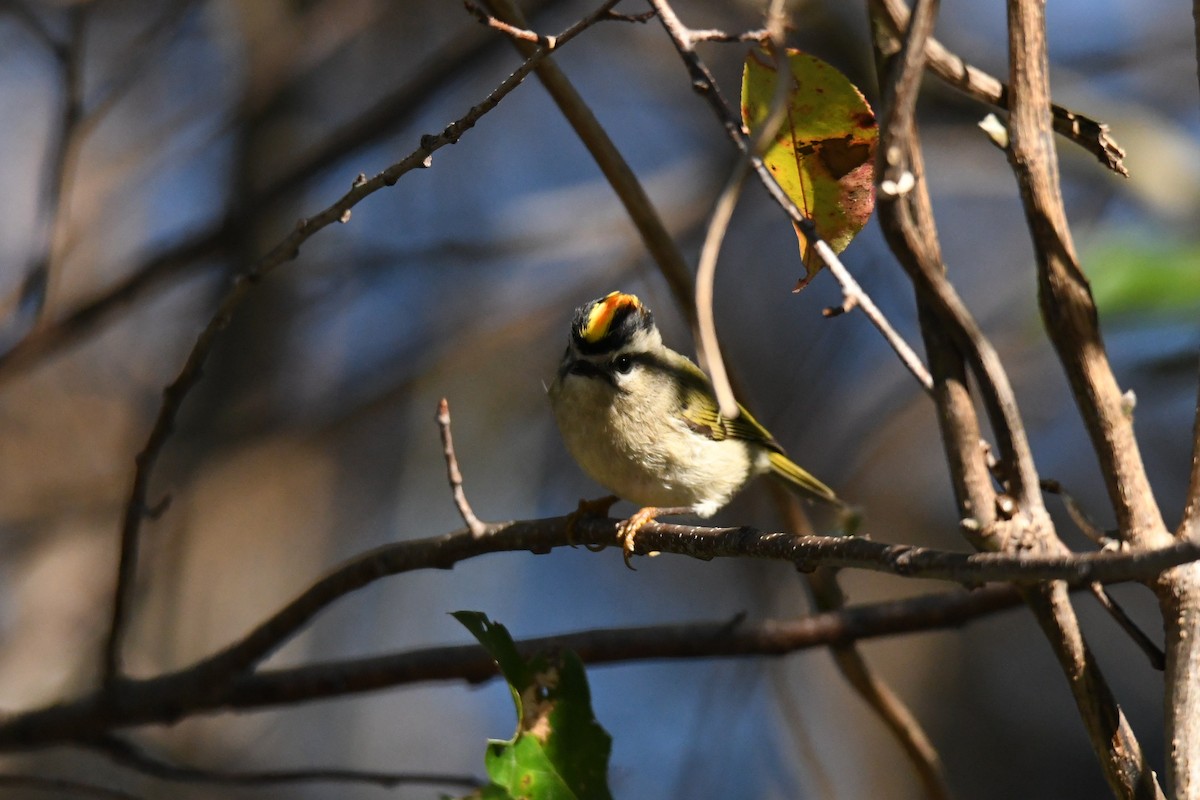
(643, 421)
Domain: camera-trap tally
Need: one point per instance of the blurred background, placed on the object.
(153, 148)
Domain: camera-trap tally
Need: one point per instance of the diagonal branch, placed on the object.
(612, 164)
(379, 120)
(285, 250)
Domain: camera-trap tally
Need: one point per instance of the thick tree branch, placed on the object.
(1073, 327)
(285, 250)
(1064, 294)
(911, 232)
(168, 698)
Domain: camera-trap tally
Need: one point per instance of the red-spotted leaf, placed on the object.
(823, 155)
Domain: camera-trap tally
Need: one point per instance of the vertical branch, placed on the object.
(1073, 327)
(1064, 294)
(1178, 591)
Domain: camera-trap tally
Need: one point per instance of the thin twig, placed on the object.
(857, 297)
(879, 696)
(474, 525)
(285, 250)
(379, 121)
(520, 34)
(1189, 524)
(1077, 514)
(708, 347)
(761, 35)
(127, 754)
(36, 25)
(704, 84)
(1158, 659)
(169, 697)
(1109, 603)
(616, 169)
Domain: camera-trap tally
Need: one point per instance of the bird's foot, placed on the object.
(627, 530)
(589, 508)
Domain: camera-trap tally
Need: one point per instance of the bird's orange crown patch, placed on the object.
(600, 318)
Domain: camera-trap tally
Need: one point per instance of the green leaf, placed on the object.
(823, 155)
(559, 750)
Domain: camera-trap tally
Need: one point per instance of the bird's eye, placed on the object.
(623, 364)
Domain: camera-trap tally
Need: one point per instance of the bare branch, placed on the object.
(1071, 321)
(708, 346)
(169, 697)
(285, 250)
(1064, 294)
(857, 297)
(380, 120)
(519, 34)
(474, 525)
(875, 692)
(616, 170)
(1153, 652)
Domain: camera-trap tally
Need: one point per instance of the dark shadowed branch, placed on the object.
(170, 697)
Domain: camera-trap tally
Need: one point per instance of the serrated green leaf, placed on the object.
(823, 156)
(500, 646)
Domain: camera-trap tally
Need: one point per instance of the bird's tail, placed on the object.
(796, 477)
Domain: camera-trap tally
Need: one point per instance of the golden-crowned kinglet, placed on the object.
(642, 420)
